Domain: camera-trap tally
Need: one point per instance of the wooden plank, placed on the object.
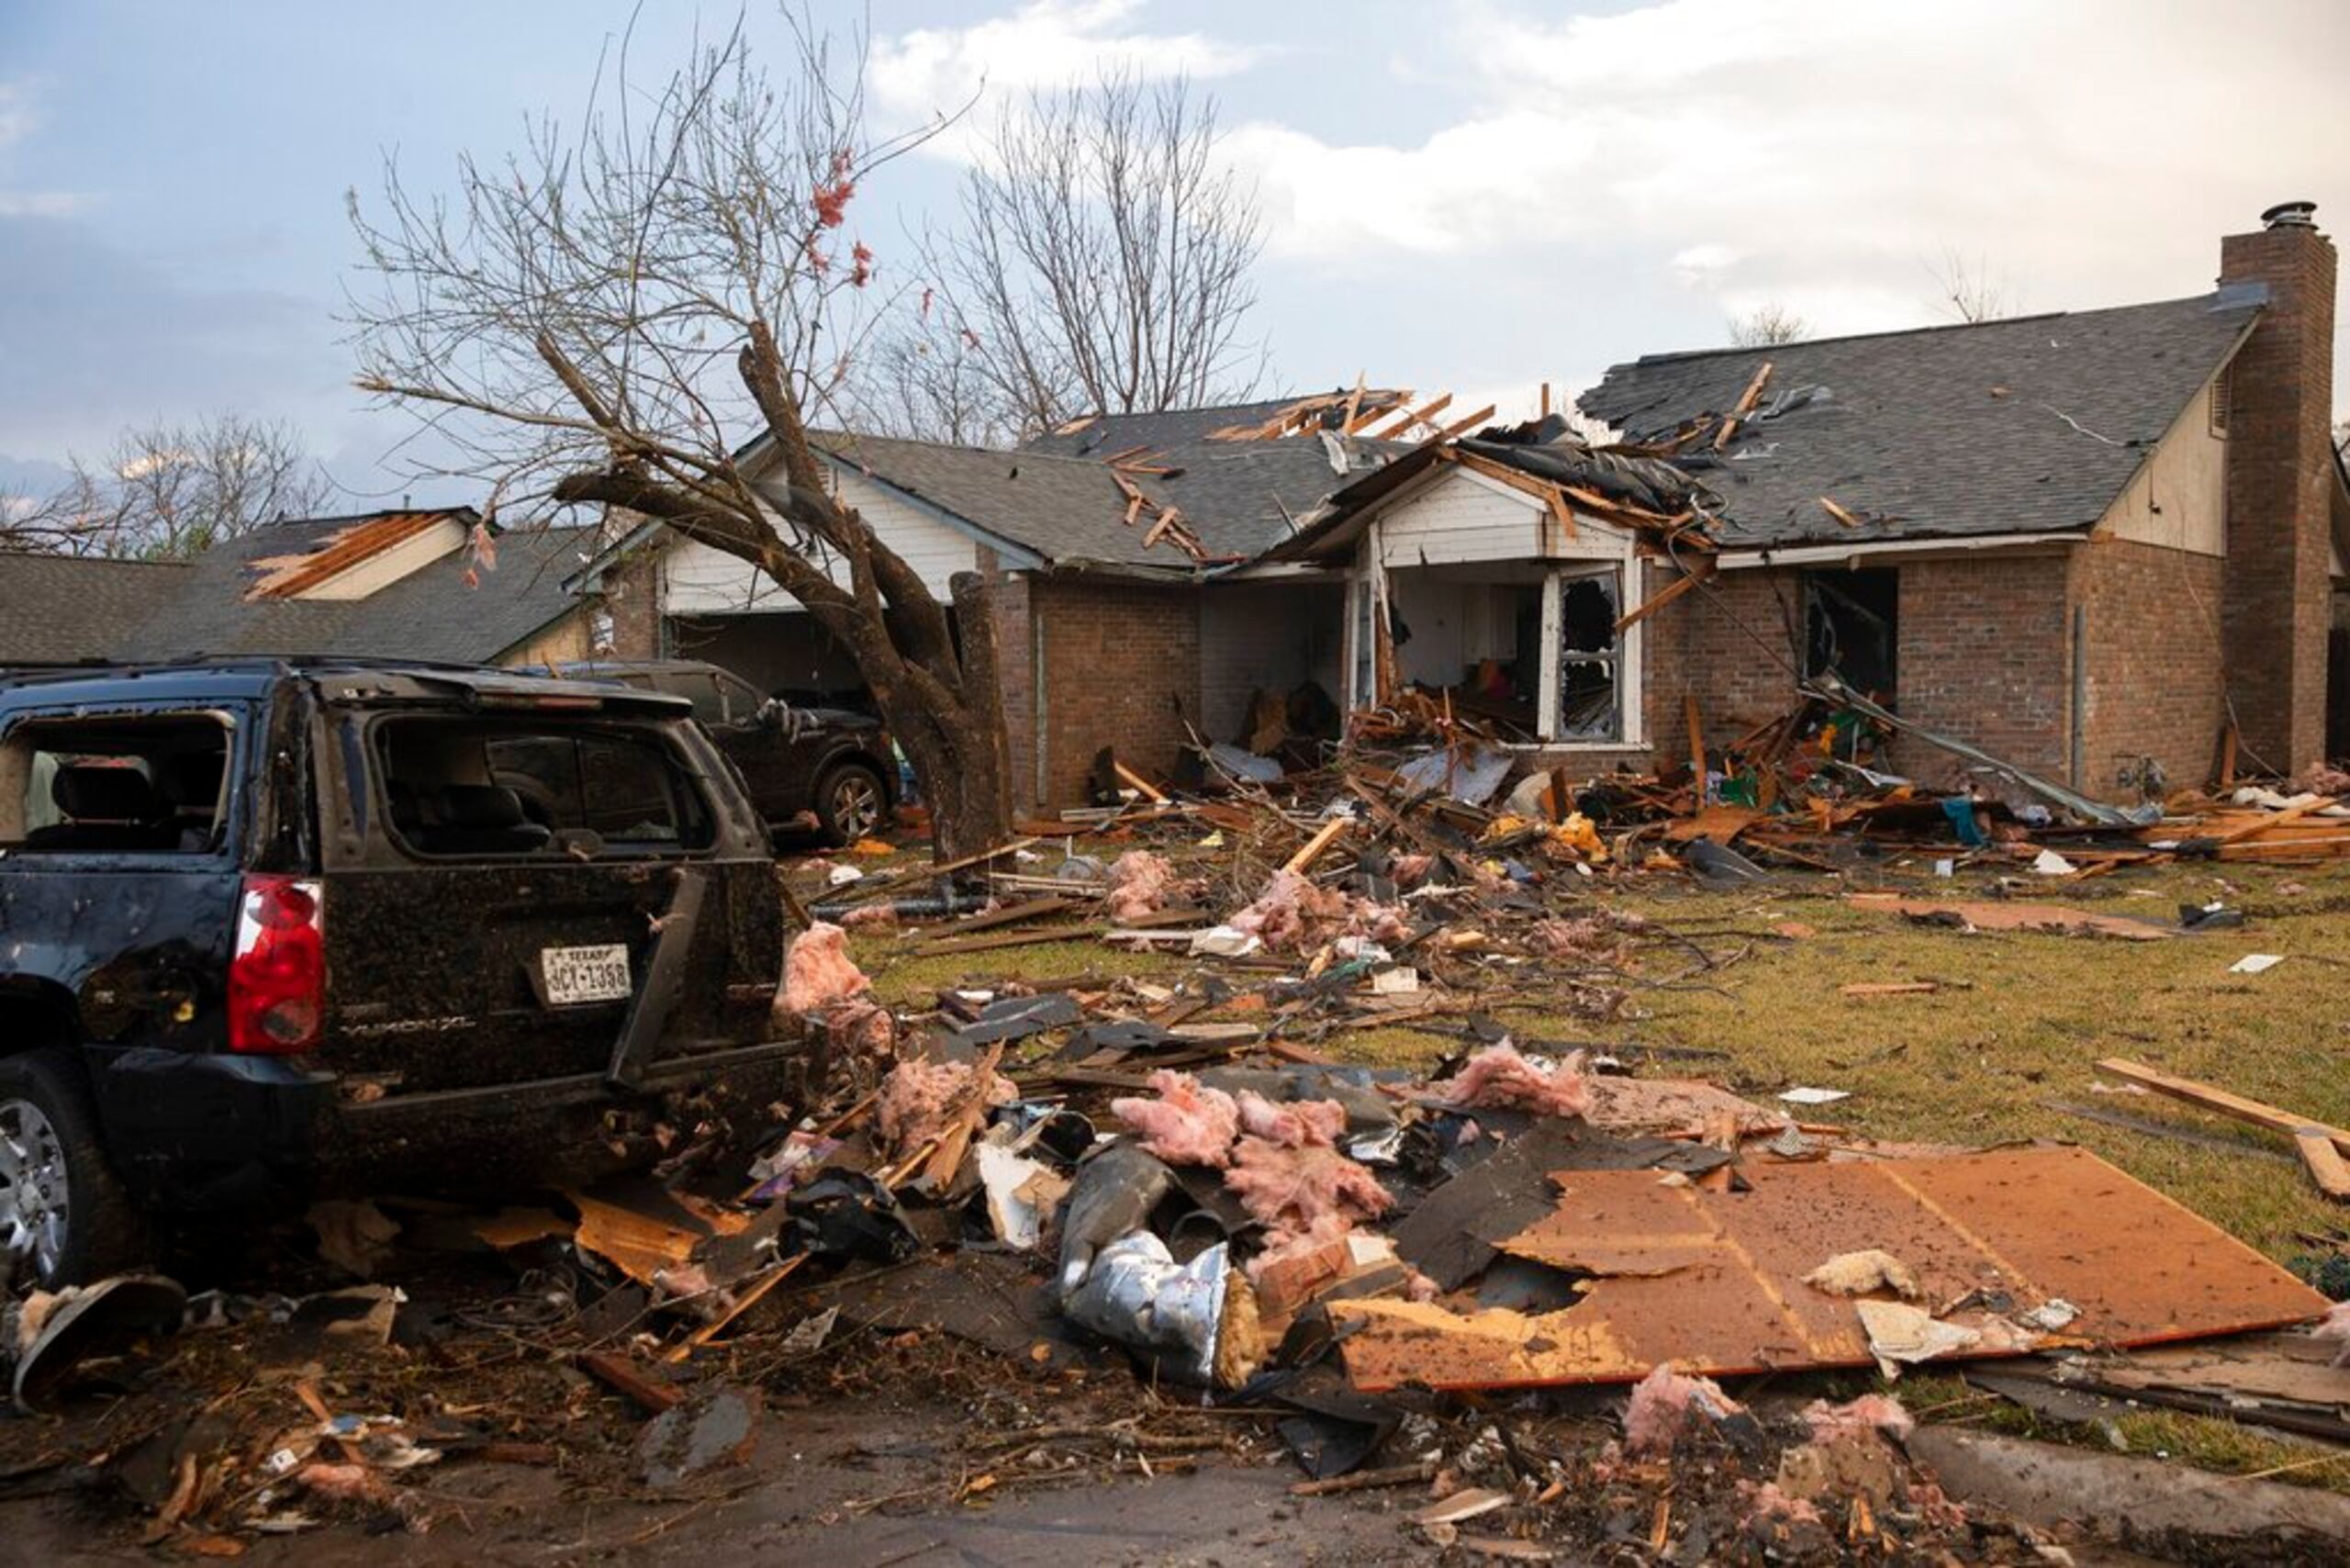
(1013, 915)
(1745, 405)
(1564, 512)
(1150, 791)
(1313, 846)
(1697, 745)
(618, 1371)
(2228, 739)
(1462, 426)
(1422, 415)
(1354, 405)
(1700, 570)
(1546, 400)
(2278, 819)
(1840, 514)
(2221, 1101)
(2325, 1163)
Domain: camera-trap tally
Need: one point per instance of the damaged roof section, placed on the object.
(2022, 426)
(1174, 507)
(353, 556)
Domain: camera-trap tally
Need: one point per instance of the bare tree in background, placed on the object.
(168, 492)
(1971, 290)
(1100, 265)
(1765, 325)
(605, 316)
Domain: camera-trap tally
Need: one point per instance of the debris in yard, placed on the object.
(1186, 1124)
(1859, 1273)
(1664, 1404)
(353, 1234)
(1498, 1077)
(818, 972)
(717, 1428)
(2255, 963)
(1869, 1413)
(919, 1099)
(1803, 1095)
(2325, 1149)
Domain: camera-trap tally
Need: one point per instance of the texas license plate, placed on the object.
(584, 974)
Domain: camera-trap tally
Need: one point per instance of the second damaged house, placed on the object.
(2093, 543)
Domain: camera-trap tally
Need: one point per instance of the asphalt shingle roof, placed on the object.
(59, 610)
(429, 614)
(1069, 509)
(2031, 425)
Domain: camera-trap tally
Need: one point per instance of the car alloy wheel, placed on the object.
(33, 1189)
(855, 805)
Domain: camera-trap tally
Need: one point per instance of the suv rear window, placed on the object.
(124, 784)
(474, 787)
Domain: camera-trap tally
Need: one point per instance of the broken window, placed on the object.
(150, 785)
(1591, 659)
(1851, 628)
(469, 788)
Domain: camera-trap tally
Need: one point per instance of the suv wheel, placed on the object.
(64, 1216)
(850, 801)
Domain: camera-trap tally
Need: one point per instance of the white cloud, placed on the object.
(1044, 44)
(17, 115)
(1822, 153)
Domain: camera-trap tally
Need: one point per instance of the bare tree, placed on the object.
(922, 382)
(1767, 324)
(1100, 265)
(602, 317)
(1971, 290)
(166, 491)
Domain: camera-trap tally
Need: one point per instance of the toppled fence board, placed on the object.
(2010, 915)
(1713, 1282)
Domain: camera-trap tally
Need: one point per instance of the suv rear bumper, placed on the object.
(210, 1131)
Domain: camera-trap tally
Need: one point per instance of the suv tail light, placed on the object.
(277, 980)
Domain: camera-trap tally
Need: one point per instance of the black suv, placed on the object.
(795, 761)
(273, 928)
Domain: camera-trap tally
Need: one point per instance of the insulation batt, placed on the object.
(817, 971)
(1861, 1273)
(917, 1096)
(1139, 885)
(1311, 1190)
(1870, 1412)
(1766, 1501)
(1187, 1124)
(1500, 1079)
(1306, 1122)
(1292, 910)
(861, 1026)
(1664, 1404)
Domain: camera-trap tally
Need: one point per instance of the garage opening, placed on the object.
(1851, 629)
(785, 654)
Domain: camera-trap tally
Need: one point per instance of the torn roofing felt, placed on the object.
(2024, 426)
(1235, 498)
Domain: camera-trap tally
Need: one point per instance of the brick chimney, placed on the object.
(2280, 399)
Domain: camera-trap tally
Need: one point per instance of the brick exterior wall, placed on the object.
(1016, 651)
(2157, 680)
(633, 598)
(1984, 654)
(1730, 643)
(2278, 586)
(1122, 667)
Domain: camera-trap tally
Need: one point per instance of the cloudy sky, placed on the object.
(1475, 196)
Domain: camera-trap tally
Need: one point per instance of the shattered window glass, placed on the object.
(1591, 656)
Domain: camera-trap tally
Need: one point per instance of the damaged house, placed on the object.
(2093, 543)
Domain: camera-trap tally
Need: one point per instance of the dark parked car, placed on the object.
(269, 929)
(828, 761)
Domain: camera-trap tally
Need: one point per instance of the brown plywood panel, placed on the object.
(1713, 1282)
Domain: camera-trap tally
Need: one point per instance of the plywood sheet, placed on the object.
(1713, 1282)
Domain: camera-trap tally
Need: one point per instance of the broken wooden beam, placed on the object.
(2212, 1098)
(1698, 572)
(1745, 405)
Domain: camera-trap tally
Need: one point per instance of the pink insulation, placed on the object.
(1870, 1412)
(861, 1026)
(1765, 1501)
(1297, 1126)
(817, 971)
(1591, 939)
(1140, 884)
(1307, 1191)
(2321, 780)
(1665, 1406)
(1187, 1124)
(1288, 909)
(1499, 1079)
(919, 1096)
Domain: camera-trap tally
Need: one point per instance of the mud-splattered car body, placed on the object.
(307, 925)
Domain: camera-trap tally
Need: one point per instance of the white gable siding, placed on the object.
(697, 579)
(1464, 516)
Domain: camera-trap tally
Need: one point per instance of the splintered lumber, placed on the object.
(2215, 1098)
(1150, 791)
(1422, 415)
(1696, 744)
(1840, 514)
(1321, 841)
(2277, 819)
(1462, 426)
(2326, 1165)
(1745, 405)
(1699, 570)
(618, 1371)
